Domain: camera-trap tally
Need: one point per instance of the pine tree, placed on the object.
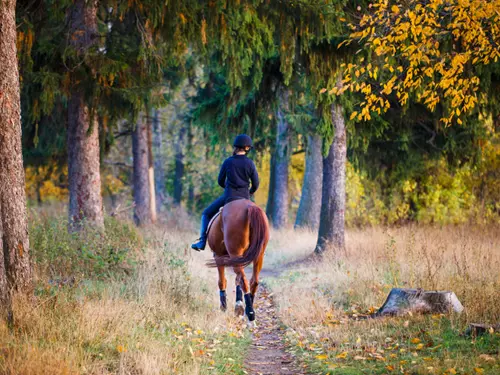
(15, 267)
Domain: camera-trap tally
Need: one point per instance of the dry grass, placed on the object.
(163, 319)
(316, 298)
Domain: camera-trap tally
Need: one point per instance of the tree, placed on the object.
(85, 200)
(15, 267)
(331, 227)
(143, 210)
(308, 214)
(432, 52)
(159, 163)
(179, 164)
(281, 160)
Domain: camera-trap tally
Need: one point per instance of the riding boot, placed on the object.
(202, 241)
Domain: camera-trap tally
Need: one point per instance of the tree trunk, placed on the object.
(179, 165)
(403, 301)
(270, 194)
(142, 211)
(158, 160)
(85, 200)
(189, 151)
(331, 225)
(310, 201)
(279, 213)
(15, 266)
(151, 170)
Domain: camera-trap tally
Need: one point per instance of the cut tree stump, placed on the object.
(402, 301)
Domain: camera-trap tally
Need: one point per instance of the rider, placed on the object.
(235, 175)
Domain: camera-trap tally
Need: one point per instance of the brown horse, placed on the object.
(237, 238)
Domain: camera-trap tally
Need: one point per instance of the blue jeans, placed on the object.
(214, 207)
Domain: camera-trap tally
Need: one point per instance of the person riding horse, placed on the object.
(235, 176)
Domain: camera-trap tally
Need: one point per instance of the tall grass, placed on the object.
(153, 310)
(317, 298)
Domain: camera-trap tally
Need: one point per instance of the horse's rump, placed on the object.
(258, 234)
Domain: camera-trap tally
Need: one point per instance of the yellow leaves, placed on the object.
(395, 9)
(321, 357)
(479, 370)
(353, 115)
(121, 349)
(342, 355)
(415, 340)
(452, 371)
(389, 368)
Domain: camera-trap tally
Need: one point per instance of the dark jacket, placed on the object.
(235, 176)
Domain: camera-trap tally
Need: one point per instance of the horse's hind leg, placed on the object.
(239, 307)
(254, 281)
(222, 288)
(243, 283)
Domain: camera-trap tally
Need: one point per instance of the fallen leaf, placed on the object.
(415, 340)
(341, 355)
(479, 370)
(321, 356)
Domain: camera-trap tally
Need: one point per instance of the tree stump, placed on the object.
(402, 301)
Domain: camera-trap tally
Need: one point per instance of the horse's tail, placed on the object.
(259, 235)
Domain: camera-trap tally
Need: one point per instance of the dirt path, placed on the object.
(267, 355)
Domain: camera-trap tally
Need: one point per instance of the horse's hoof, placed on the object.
(239, 308)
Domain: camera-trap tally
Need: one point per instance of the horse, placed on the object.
(238, 237)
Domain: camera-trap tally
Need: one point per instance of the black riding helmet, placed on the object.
(243, 141)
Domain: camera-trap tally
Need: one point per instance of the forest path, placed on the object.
(267, 355)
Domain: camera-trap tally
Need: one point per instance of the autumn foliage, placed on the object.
(432, 51)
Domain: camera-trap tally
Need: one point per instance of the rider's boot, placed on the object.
(202, 241)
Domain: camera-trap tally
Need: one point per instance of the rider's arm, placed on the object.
(254, 178)
(222, 175)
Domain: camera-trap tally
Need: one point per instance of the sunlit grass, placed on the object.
(317, 300)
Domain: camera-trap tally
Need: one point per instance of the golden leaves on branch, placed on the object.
(429, 49)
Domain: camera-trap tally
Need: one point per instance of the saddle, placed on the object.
(213, 219)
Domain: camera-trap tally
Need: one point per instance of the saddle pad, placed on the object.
(213, 219)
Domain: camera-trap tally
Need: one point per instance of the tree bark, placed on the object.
(179, 165)
(151, 170)
(279, 213)
(85, 200)
(15, 266)
(142, 209)
(159, 162)
(310, 201)
(270, 194)
(331, 227)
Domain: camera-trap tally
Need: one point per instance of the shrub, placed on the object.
(59, 255)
